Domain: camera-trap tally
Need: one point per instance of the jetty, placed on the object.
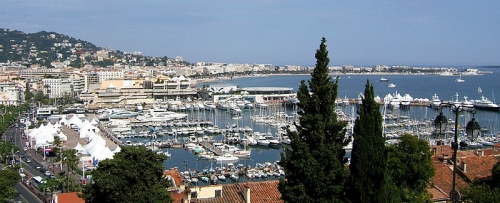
(211, 147)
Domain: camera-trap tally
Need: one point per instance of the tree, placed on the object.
(488, 191)
(368, 181)
(8, 180)
(70, 160)
(315, 164)
(411, 168)
(133, 175)
(481, 193)
(6, 150)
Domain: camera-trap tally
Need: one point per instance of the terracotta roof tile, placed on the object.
(478, 167)
(71, 197)
(437, 194)
(176, 196)
(443, 178)
(260, 192)
(174, 173)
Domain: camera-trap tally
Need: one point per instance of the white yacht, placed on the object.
(435, 102)
(467, 104)
(382, 79)
(235, 110)
(391, 85)
(263, 141)
(485, 104)
(226, 158)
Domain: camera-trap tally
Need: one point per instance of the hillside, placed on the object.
(41, 47)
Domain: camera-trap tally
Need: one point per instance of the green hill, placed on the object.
(41, 47)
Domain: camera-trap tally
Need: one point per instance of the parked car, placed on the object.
(47, 173)
(28, 160)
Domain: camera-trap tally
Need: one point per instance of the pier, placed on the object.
(209, 146)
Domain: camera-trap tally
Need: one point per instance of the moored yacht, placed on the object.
(485, 104)
(435, 102)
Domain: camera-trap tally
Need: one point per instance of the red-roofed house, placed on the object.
(254, 192)
(71, 197)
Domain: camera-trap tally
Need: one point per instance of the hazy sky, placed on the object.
(279, 32)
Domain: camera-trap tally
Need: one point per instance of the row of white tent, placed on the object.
(95, 148)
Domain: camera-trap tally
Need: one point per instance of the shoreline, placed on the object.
(226, 78)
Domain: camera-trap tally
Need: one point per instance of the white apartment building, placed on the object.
(110, 75)
(78, 83)
(10, 94)
(56, 88)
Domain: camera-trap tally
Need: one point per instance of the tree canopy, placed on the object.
(135, 174)
(8, 180)
(411, 169)
(368, 180)
(315, 163)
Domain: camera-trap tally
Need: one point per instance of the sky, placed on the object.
(279, 32)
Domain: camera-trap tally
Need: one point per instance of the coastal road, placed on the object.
(25, 195)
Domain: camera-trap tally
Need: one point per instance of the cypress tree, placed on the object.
(315, 164)
(368, 180)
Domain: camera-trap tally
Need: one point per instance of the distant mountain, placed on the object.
(41, 47)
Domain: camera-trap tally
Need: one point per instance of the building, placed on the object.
(57, 88)
(10, 93)
(256, 192)
(142, 91)
(472, 165)
(71, 197)
(31, 73)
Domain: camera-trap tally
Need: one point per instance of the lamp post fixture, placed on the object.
(472, 129)
(441, 122)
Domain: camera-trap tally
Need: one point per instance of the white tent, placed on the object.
(62, 136)
(103, 153)
(63, 121)
(96, 145)
(75, 121)
(79, 149)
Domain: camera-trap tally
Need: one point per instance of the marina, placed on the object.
(239, 137)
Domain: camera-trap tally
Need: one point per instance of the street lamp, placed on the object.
(472, 128)
(441, 122)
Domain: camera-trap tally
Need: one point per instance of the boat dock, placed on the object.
(209, 146)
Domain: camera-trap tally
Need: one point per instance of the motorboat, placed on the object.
(391, 85)
(467, 104)
(485, 104)
(235, 110)
(382, 79)
(263, 141)
(227, 158)
(435, 102)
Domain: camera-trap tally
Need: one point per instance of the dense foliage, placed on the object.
(315, 164)
(369, 181)
(133, 175)
(8, 180)
(18, 45)
(485, 192)
(411, 169)
(6, 150)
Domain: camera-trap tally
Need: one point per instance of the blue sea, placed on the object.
(418, 86)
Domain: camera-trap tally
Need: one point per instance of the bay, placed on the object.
(418, 86)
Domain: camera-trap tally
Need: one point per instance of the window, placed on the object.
(218, 193)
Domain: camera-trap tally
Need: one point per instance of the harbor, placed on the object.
(239, 137)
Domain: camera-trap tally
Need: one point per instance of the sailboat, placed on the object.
(460, 78)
